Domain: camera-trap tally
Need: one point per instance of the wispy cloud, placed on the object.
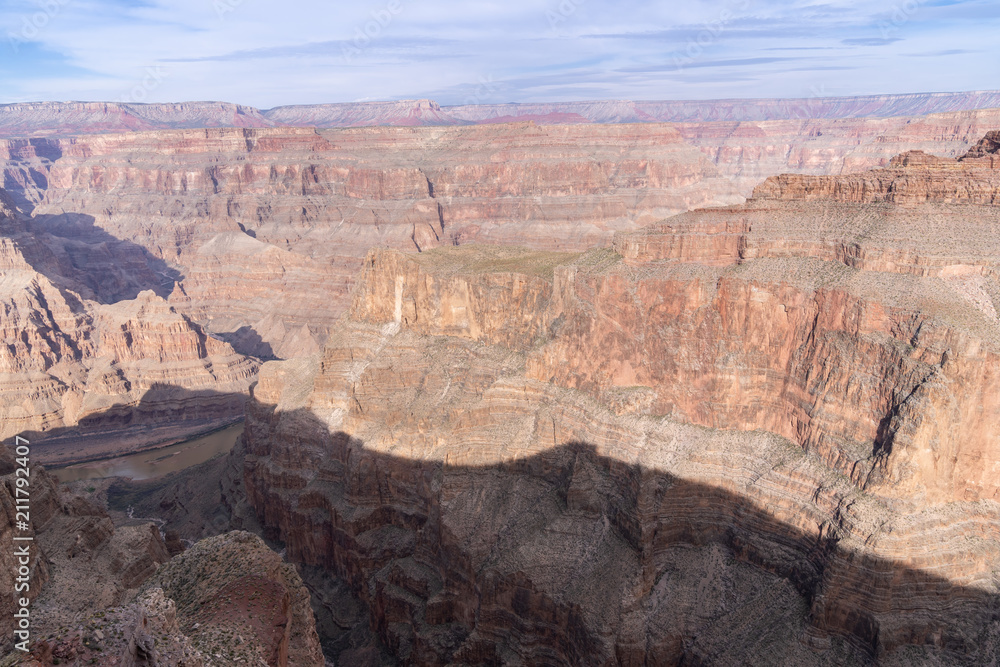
(871, 41)
(312, 51)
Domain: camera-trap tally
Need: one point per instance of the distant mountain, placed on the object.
(700, 111)
(362, 114)
(65, 118)
(61, 118)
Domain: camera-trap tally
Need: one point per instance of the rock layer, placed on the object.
(541, 488)
(55, 118)
(249, 217)
(228, 223)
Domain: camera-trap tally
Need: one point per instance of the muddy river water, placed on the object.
(156, 462)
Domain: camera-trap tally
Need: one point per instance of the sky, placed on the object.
(265, 53)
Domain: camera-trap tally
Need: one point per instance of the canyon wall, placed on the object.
(93, 378)
(233, 222)
(763, 433)
(228, 223)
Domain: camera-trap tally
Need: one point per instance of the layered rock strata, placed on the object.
(235, 221)
(83, 379)
(229, 222)
(541, 488)
(748, 152)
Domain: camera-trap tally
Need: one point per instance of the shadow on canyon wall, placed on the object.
(22, 172)
(106, 268)
(570, 557)
(248, 342)
(164, 414)
(73, 252)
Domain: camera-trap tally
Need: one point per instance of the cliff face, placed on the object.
(988, 146)
(911, 178)
(61, 118)
(81, 378)
(747, 152)
(542, 488)
(235, 221)
(228, 223)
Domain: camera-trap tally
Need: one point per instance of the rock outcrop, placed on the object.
(144, 632)
(911, 178)
(542, 488)
(79, 562)
(240, 603)
(988, 146)
(103, 594)
(228, 600)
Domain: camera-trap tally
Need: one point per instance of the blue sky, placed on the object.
(265, 53)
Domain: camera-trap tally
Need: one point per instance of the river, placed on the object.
(155, 462)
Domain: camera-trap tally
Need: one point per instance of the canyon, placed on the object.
(227, 221)
(97, 378)
(763, 433)
(614, 391)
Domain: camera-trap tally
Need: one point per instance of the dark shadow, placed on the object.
(166, 414)
(249, 232)
(27, 168)
(74, 253)
(248, 342)
(455, 563)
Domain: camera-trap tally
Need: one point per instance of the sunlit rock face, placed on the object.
(759, 434)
